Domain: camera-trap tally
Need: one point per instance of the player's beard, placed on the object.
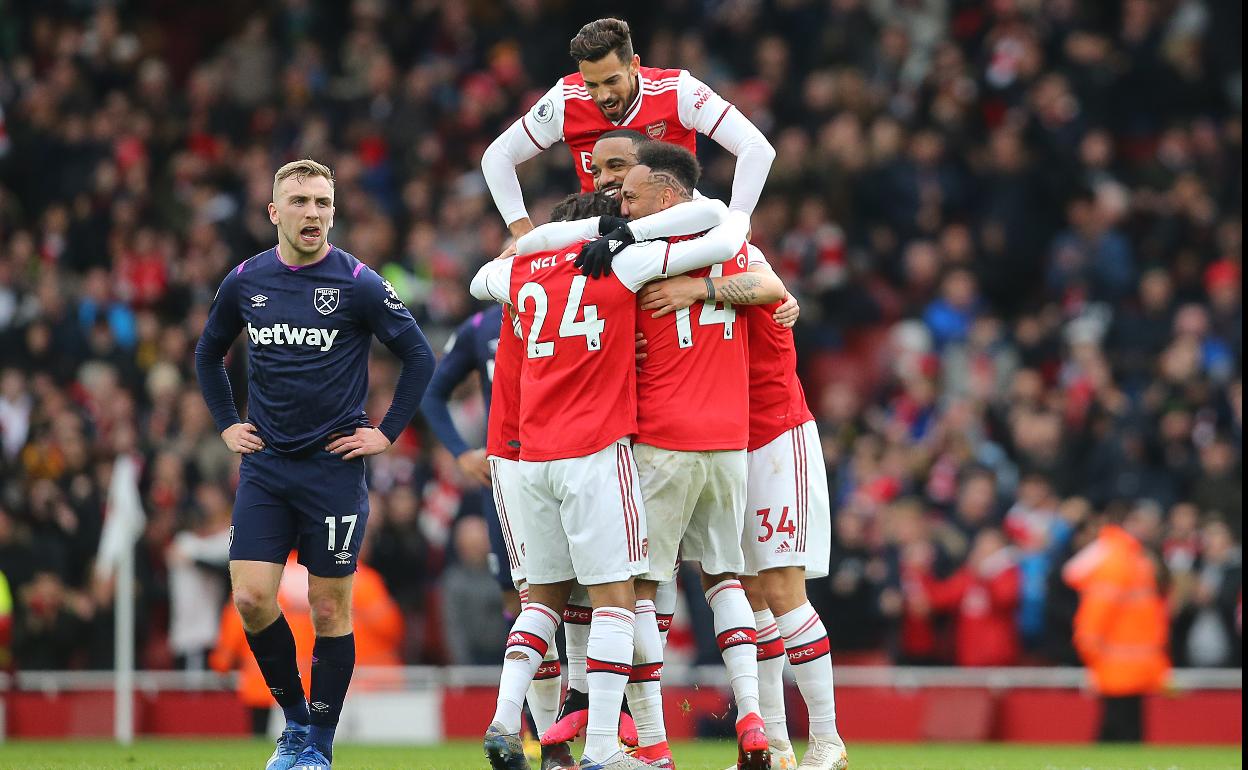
(624, 104)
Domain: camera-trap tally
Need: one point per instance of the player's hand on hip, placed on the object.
(241, 437)
(595, 258)
(475, 466)
(364, 442)
(672, 294)
(786, 315)
(641, 343)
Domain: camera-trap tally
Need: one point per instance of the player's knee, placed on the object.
(330, 614)
(254, 606)
(784, 589)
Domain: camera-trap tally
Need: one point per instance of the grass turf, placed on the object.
(702, 755)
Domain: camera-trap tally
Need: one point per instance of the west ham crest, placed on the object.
(325, 300)
(657, 129)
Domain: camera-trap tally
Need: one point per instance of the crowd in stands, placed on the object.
(1015, 229)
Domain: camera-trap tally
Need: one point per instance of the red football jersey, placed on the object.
(671, 106)
(578, 389)
(502, 435)
(692, 391)
(777, 401)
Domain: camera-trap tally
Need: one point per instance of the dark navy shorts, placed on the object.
(316, 504)
(500, 566)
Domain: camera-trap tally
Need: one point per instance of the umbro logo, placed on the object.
(259, 300)
(319, 706)
(343, 558)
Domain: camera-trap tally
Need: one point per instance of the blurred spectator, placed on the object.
(983, 596)
(51, 624)
(1221, 490)
(198, 579)
(1211, 632)
(851, 592)
(473, 608)
(1120, 628)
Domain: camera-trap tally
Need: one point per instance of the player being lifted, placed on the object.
(310, 311)
(692, 469)
(610, 90)
(584, 519)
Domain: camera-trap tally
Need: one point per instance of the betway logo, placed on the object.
(284, 334)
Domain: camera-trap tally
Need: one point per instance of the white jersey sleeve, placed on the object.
(532, 133)
(556, 235)
(543, 123)
(641, 263)
(708, 113)
(682, 219)
(697, 106)
(493, 281)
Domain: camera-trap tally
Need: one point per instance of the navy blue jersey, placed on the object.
(308, 332)
(472, 347)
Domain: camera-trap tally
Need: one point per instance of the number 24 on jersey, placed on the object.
(590, 328)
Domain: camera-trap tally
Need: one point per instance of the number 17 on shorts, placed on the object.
(342, 548)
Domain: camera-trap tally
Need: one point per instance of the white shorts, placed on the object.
(788, 521)
(583, 518)
(695, 502)
(505, 481)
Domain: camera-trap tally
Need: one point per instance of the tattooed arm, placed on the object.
(757, 286)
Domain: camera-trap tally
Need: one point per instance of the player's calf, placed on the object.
(644, 688)
(737, 639)
(273, 645)
(608, 666)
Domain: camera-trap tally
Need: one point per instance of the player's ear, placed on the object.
(634, 64)
(273, 212)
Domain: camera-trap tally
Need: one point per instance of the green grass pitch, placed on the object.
(702, 755)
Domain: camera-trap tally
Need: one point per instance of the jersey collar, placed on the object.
(295, 268)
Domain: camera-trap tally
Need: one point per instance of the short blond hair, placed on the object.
(302, 169)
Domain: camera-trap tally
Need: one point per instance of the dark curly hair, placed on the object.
(584, 206)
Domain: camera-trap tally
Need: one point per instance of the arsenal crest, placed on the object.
(657, 129)
(325, 301)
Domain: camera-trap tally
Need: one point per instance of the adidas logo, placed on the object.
(259, 300)
(740, 637)
(784, 548)
(517, 639)
(613, 244)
